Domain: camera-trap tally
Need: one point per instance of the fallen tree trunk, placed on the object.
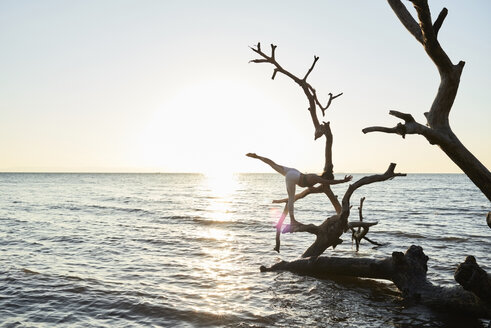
(474, 279)
(407, 271)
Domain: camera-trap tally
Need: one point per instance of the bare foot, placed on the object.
(277, 249)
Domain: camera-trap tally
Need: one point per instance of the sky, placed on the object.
(165, 86)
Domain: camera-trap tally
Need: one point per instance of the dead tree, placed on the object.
(437, 129)
(327, 233)
(408, 272)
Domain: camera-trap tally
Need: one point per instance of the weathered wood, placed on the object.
(406, 19)
(363, 228)
(473, 278)
(438, 129)
(308, 90)
(407, 271)
(329, 232)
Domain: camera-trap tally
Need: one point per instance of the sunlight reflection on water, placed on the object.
(219, 190)
(184, 250)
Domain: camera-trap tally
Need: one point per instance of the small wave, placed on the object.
(120, 209)
(27, 271)
(64, 207)
(174, 219)
(209, 197)
(407, 234)
(169, 315)
(452, 238)
(207, 222)
(154, 241)
(68, 239)
(75, 290)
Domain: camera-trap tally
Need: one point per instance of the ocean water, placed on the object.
(184, 250)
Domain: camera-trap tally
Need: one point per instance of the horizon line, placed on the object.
(203, 173)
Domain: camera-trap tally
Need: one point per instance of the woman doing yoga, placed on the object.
(293, 177)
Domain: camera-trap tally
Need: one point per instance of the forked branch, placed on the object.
(363, 228)
(330, 231)
(388, 175)
(308, 90)
(437, 131)
(406, 19)
(410, 126)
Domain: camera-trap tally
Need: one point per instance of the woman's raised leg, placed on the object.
(278, 168)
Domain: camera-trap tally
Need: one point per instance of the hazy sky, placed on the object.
(165, 86)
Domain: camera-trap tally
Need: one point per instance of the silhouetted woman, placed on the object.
(293, 177)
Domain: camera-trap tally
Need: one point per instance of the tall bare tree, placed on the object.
(329, 231)
(437, 129)
(407, 271)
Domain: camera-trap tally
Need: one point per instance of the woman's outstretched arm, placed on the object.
(317, 179)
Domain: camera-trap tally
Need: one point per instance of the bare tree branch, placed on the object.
(438, 129)
(363, 227)
(410, 127)
(308, 90)
(389, 174)
(333, 227)
(439, 21)
(373, 242)
(331, 98)
(311, 68)
(406, 19)
(430, 42)
(360, 225)
(360, 210)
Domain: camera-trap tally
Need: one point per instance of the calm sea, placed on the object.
(184, 250)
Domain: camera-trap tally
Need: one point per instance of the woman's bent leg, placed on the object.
(291, 179)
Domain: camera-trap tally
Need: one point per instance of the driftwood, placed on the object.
(437, 129)
(328, 232)
(474, 279)
(361, 233)
(408, 272)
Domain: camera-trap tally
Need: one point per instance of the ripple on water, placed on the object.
(125, 250)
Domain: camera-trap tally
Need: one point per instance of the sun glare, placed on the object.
(221, 184)
(201, 128)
